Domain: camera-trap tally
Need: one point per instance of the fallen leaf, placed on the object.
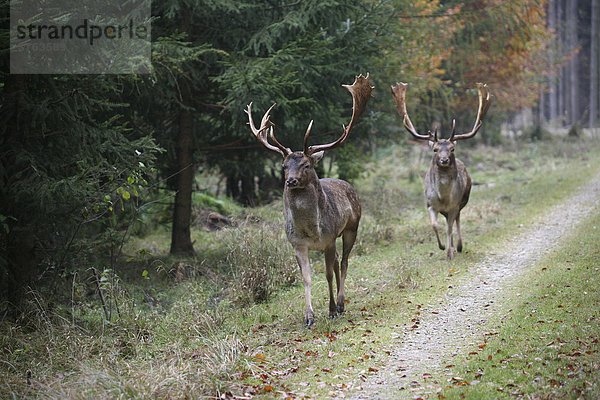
(268, 388)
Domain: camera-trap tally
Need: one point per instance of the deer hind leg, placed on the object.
(304, 263)
(348, 238)
(332, 268)
(449, 241)
(434, 225)
(459, 241)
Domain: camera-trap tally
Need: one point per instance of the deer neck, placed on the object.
(444, 176)
(304, 209)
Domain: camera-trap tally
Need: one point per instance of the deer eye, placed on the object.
(452, 150)
(435, 150)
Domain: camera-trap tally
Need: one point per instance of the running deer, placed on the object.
(317, 211)
(447, 183)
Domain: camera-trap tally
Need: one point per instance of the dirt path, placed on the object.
(461, 316)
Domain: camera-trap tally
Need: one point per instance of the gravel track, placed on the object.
(459, 322)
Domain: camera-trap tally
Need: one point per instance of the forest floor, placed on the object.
(455, 324)
(515, 315)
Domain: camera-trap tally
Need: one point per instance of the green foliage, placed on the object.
(206, 201)
(71, 167)
(575, 130)
(350, 162)
(537, 132)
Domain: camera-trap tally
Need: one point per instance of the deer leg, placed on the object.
(332, 267)
(449, 242)
(304, 263)
(459, 242)
(348, 238)
(434, 225)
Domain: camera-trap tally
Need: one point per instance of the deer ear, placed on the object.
(431, 142)
(317, 156)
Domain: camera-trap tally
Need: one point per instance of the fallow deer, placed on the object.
(317, 211)
(447, 182)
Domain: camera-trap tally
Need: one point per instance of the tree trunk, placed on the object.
(181, 242)
(572, 66)
(594, 58)
(248, 196)
(553, 95)
(562, 108)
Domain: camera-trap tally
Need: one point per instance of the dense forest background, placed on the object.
(85, 159)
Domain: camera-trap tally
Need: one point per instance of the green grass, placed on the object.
(547, 344)
(230, 319)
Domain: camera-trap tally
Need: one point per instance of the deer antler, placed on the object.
(261, 133)
(485, 99)
(361, 93)
(399, 95)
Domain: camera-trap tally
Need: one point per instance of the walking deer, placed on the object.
(317, 211)
(447, 182)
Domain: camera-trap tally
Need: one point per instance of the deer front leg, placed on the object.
(304, 263)
(449, 241)
(459, 241)
(434, 225)
(332, 267)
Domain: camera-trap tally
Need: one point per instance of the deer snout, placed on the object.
(291, 182)
(444, 161)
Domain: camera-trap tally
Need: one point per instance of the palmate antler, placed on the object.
(361, 92)
(399, 95)
(485, 99)
(261, 133)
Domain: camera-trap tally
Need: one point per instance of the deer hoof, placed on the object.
(450, 254)
(442, 247)
(340, 309)
(333, 315)
(308, 322)
(459, 248)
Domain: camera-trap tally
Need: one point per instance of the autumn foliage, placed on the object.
(456, 44)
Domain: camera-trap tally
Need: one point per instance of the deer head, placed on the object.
(299, 165)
